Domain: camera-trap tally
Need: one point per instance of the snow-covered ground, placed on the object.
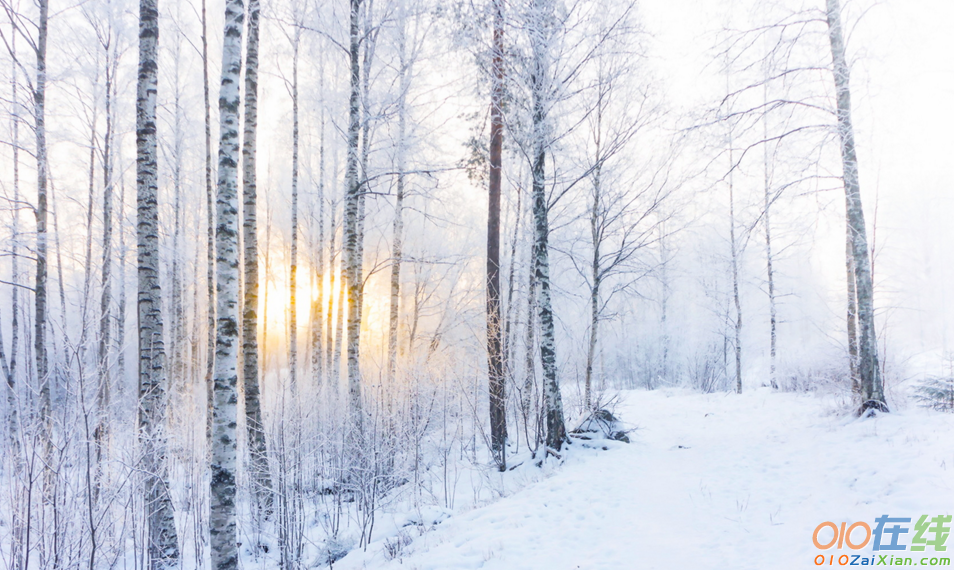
(720, 481)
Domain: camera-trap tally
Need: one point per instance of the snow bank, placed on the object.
(716, 481)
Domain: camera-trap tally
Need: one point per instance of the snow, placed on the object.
(720, 481)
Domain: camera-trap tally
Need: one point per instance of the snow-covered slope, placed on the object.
(716, 481)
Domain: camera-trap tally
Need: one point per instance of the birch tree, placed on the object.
(209, 229)
(869, 372)
(293, 270)
(108, 43)
(623, 209)
(352, 254)
(42, 166)
(540, 23)
(734, 252)
(11, 374)
(250, 349)
(769, 259)
(317, 317)
(397, 240)
(37, 88)
(798, 70)
(163, 548)
(222, 520)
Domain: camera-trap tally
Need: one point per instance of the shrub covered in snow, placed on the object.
(601, 424)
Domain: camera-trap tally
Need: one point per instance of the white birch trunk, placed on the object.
(222, 521)
(540, 36)
(163, 549)
(318, 306)
(293, 275)
(210, 230)
(734, 253)
(869, 372)
(330, 337)
(397, 244)
(101, 432)
(351, 237)
(769, 261)
(852, 316)
(40, 283)
(14, 261)
(261, 483)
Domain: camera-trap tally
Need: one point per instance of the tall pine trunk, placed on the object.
(222, 521)
(163, 549)
(495, 357)
(258, 468)
(869, 373)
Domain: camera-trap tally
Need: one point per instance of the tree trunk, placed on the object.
(540, 88)
(852, 318)
(511, 312)
(769, 261)
(495, 359)
(11, 375)
(261, 483)
(101, 433)
(339, 332)
(318, 305)
(597, 239)
(734, 252)
(351, 244)
(88, 257)
(163, 546)
(210, 230)
(225, 410)
(529, 373)
(397, 245)
(330, 366)
(556, 430)
(177, 330)
(40, 283)
(363, 184)
(120, 345)
(594, 299)
(293, 279)
(11, 398)
(872, 384)
(666, 291)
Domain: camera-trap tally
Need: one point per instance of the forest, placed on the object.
(282, 281)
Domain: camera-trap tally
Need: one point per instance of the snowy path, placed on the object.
(753, 477)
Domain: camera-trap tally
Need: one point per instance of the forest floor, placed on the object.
(710, 481)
